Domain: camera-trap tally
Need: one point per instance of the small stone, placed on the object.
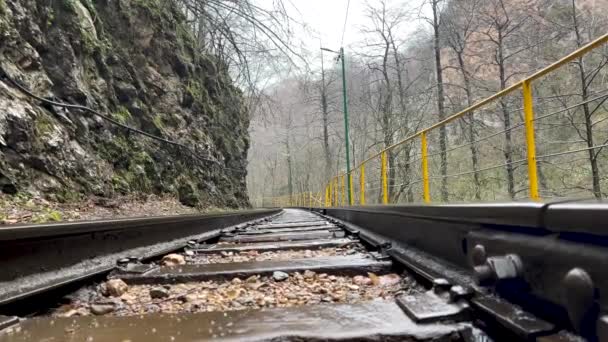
(128, 298)
(102, 309)
(236, 281)
(280, 276)
(389, 279)
(152, 308)
(159, 292)
(353, 296)
(255, 286)
(309, 274)
(189, 253)
(252, 279)
(115, 287)
(361, 280)
(189, 298)
(246, 300)
(353, 287)
(321, 290)
(173, 260)
(69, 313)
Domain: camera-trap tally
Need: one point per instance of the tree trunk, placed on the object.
(440, 103)
(325, 124)
(471, 128)
(406, 123)
(595, 172)
(289, 168)
(508, 152)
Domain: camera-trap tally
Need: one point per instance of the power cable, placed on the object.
(24, 90)
(345, 21)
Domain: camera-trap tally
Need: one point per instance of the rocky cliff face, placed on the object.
(135, 61)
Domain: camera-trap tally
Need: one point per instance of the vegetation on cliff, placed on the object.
(137, 62)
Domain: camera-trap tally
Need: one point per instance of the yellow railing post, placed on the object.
(343, 201)
(362, 185)
(351, 189)
(334, 196)
(530, 144)
(384, 178)
(425, 169)
(327, 196)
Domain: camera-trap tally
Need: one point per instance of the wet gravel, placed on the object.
(245, 256)
(255, 292)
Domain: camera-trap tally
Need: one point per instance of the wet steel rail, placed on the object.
(505, 272)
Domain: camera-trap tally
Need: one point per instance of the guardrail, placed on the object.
(335, 194)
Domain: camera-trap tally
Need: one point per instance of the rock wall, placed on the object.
(134, 60)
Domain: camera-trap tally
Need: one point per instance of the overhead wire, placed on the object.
(345, 21)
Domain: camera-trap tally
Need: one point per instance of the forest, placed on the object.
(460, 52)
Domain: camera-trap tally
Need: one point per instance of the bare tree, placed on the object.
(502, 26)
(460, 24)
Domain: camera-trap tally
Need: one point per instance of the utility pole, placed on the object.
(346, 125)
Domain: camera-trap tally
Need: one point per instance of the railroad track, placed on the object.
(274, 275)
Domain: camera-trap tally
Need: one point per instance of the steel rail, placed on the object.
(36, 258)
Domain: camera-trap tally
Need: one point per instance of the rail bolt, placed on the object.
(122, 262)
(441, 285)
(602, 329)
(458, 292)
(478, 255)
(579, 295)
(134, 260)
(499, 268)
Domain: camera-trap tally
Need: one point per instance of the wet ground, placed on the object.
(255, 292)
(273, 288)
(297, 278)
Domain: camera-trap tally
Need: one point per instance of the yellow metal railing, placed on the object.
(528, 107)
(335, 194)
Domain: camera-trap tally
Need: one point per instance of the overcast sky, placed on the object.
(324, 20)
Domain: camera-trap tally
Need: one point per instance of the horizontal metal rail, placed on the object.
(37, 257)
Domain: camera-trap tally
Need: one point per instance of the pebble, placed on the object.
(173, 260)
(309, 274)
(102, 309)
(361, 280)
(188, 298)
(389, 279)
(115, 287)
(159, 292)
(252, 279)
(280, 276)
(245, 256)
(255, 286)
